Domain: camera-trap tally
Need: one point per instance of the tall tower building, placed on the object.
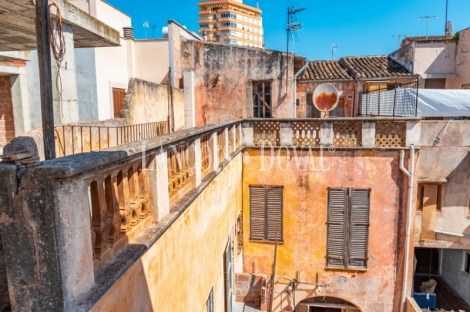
(231, 22)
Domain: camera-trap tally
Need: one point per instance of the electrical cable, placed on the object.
(57, 46)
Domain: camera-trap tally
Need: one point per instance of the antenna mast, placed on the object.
(399, 36)
(427, 23)
(447, 9)
(334, 46)
(292, 26)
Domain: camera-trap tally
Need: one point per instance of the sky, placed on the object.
(363, 27)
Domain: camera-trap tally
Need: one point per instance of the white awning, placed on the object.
(443, 103)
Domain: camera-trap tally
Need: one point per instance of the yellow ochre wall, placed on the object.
(305, 230)
(179, 270)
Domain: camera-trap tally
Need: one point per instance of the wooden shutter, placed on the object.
(118, 101)
(266, 215)
(257, 213)
(337, 208)
(274, 213)
(358, 227)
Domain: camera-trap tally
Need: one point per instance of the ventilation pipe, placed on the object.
(410, 174)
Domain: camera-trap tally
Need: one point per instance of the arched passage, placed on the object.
(326, 304)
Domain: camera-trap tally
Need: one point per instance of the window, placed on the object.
(210, 301)
(230, 41)
(229, 24)
(429, 196)
(203, 25)
(348, 228)
(262, 99)
(214, 16)
(466, 262)
(229, 15)
(266, 205)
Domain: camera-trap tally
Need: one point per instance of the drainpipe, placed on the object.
(410, 175)
(295, 87)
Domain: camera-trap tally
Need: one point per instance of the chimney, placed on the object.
(128, 32)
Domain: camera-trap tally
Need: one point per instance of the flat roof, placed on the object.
(18, 26)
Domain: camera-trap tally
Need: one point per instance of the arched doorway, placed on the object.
(326, 304)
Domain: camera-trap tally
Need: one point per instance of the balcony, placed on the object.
(107, 208)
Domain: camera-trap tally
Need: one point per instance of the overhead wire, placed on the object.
(58, 47)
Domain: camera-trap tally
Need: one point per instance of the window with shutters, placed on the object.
(348, 228)
(266, 215)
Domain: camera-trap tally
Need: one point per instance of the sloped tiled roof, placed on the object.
(369, 67)
(325, 70)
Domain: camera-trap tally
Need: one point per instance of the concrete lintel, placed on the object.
(19, 33)
(88, 27)
(12, 69)
(13, 56)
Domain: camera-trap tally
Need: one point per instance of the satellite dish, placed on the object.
(325, 97)
(449, 28)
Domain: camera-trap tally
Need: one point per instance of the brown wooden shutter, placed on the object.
(358, 227)
(257, 213)
(274, 213)
(337, 208)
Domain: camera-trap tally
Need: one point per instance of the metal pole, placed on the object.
(273, 276)
(445, 24)
(45, 77)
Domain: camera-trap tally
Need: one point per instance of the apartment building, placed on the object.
(231, 22)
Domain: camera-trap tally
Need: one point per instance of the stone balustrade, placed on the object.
(336, 133)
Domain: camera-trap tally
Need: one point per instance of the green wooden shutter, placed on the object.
(337, 211)
(358, 227)
(274, 202)
(257, 213)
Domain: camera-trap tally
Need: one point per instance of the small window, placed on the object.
(429, 196)
(262, 107)
(466, 262)
(348, 228)
(210, 301)
(266, 215)
(214, 16)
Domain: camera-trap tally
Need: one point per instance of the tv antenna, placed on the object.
(334, 46)
(146, 26)
(427, 22)
(292, 27)
(399, 36)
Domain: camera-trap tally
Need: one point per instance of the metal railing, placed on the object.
(76, 139)
(402, 101)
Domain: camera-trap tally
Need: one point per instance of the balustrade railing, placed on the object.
(119, 201)
(341, 133)
(75, 139)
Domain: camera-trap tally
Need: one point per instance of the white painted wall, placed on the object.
(152, 60)
(435, 58)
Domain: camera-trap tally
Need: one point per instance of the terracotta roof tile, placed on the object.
(325, 70)
(361, 67)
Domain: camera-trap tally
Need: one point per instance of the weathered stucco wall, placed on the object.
(449, 161)
(179, 270)
(223, 77)
(453, 273)
(463, 60)
(149, 102)
(305, 230)
(305, 96)
(405, 55)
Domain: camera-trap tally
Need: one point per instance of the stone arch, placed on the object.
(326, 304)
